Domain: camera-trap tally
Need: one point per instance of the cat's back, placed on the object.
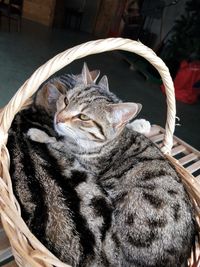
(37, 179)
(153, 214)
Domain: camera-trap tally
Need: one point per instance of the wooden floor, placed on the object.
(187, 156)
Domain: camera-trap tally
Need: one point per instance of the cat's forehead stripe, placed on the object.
(74, 95)
(90, 100)
(88, 95)
(87, 92)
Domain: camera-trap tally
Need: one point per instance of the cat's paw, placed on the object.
(141, 125)
(39, 136)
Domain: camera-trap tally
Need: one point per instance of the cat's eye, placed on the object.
(83, 117)
(66, 101)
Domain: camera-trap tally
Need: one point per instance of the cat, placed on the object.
(152, 220)
(47, 192)
(33, 175)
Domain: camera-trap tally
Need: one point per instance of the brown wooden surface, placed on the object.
(4, 243)
(5, 250)
(106, 13)
(11, 264)
(39, 11)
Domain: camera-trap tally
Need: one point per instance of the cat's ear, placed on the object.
(103, 83)
(52, 93)
(86, 76)
(120, 114)
(95, 75)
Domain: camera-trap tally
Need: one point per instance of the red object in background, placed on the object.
(188, 74)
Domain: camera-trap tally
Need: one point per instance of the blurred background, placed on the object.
(33, 31)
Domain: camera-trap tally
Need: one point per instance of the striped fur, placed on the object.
(152, 220)
(61, 204)
(95, 192)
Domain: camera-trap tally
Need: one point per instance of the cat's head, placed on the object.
(50, 91)
(90, 115)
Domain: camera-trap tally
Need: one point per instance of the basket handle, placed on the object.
(80, 51)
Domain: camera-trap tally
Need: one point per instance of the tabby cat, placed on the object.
(70, 222)
(93, 209)
(144, 215)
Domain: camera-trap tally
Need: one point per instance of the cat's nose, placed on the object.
(59, 119)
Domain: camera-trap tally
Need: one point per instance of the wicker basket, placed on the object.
(27, 250)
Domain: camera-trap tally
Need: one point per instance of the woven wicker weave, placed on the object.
(28, 251)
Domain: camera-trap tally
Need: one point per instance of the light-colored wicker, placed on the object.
(28, 251)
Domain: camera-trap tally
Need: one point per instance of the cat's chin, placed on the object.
(59, 130)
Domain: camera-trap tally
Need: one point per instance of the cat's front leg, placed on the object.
(40, 136)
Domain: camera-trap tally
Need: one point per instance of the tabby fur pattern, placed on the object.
(77, 198)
